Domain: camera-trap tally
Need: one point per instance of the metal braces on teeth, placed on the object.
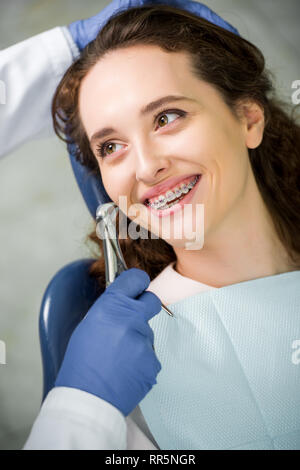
(163, 202)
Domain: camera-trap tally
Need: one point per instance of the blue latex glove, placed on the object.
(85, 31)
(110, 353)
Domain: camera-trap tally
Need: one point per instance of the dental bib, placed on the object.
(230, 376)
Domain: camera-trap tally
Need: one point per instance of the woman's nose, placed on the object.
(149, 163)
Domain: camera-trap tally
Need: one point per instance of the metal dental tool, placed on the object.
(106, 231)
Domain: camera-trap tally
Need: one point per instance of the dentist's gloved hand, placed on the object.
(110, 353)
(85, 31)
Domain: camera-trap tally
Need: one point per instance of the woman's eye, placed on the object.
(165, 114)
(108, 145)
(102, 147)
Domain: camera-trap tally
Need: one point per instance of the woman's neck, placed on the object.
(244, 247)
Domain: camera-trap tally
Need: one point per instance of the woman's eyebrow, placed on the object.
(149, 108)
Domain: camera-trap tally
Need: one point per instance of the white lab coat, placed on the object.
(69, 418)
(73, 419)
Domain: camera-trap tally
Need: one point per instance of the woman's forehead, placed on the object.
(125, 81)
(130, 70)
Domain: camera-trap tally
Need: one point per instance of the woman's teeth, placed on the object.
(165, 202)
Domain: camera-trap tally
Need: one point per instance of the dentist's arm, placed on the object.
(108, 368)
(30, 72)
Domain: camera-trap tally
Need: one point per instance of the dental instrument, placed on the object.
(106, 231)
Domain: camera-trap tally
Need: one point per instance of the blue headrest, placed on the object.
(90, 184)
(69, 295)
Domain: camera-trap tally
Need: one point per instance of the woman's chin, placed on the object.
(194, 243)
(183, 229)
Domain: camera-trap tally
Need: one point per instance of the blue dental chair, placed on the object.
(71, 291)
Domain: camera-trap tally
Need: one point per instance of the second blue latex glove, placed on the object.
(85, 31)
(110, 353)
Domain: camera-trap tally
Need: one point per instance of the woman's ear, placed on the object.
(253, 122)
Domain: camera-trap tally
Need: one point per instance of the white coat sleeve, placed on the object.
(71, 419)
(29, 74)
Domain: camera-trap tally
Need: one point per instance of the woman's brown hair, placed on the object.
(236, 68)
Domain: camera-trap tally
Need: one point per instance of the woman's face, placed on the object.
(194, 136)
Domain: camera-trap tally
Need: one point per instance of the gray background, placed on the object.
(44, 221)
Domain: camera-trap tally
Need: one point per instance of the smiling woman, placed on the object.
(165, 105)
(227, 126)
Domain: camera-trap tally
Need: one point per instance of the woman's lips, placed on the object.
(165, 187)
(185, 200)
